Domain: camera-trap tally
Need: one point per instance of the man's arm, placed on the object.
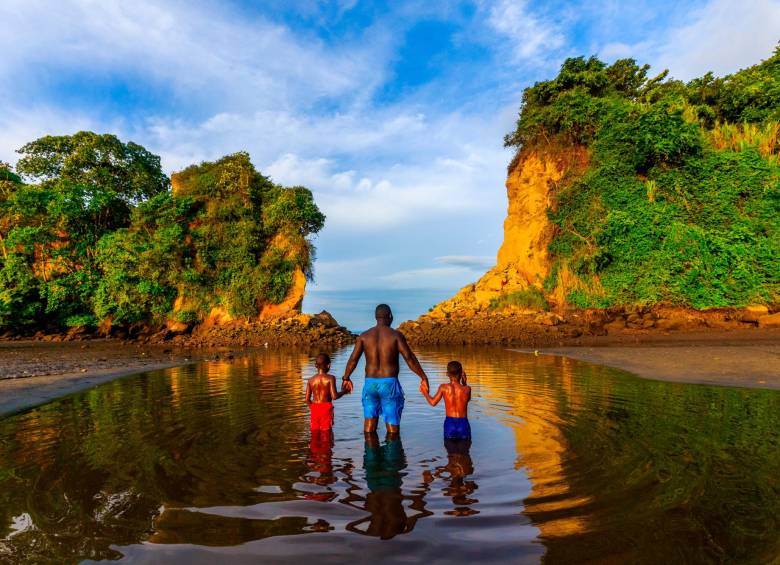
(308, 392)
(357, 351)
(411, 360)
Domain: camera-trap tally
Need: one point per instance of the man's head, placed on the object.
(383, 314)
(322, 362)
(454, 370)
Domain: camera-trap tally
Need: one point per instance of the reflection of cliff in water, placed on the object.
(636, 469)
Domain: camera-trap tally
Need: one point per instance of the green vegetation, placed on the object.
(680, 201)
(531, 297)
(101, 236)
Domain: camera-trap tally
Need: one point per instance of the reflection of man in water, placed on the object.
(459, 466)
(382, 392)
(383, 464)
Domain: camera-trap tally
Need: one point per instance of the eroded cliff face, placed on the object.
(523, 259)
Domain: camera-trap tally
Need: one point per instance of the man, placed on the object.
(382, 393)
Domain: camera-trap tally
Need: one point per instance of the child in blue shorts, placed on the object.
(456, 396)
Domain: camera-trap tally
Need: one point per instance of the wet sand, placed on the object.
(741, 359)
(33, 372)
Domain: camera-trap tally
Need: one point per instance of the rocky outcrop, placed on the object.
(522, 261)
(480, 312)
(525, 327)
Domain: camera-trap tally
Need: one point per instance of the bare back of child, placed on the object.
(320, 394)
(456, 395)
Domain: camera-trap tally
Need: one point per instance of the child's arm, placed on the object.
(308, 392)
(435, 400)
(335, 394)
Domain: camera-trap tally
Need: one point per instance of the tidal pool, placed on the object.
(570, 462)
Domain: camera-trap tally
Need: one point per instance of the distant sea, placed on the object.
(355, 308)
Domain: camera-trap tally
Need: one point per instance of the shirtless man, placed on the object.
(382, 393)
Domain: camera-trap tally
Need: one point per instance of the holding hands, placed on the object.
(346, 385)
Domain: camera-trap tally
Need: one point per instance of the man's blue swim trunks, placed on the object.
(457, 428)
(383, 396)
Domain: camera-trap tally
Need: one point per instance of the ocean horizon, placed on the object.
(354, 308)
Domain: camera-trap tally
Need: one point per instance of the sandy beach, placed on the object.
(35, 372)
(742, 359)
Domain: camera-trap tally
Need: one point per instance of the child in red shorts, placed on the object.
(320, 394)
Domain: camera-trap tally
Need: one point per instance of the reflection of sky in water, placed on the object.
(214, 462)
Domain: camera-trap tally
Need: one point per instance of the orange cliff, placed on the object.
(522, 262)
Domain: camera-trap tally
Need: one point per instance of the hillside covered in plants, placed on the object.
(679, 199)
(92, 234)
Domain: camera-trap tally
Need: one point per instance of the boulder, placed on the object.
(670, 323)
(769, 321)
(751, 314)
(615, 325)
(324, 319)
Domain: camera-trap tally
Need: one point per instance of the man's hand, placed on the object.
(346, 384)
(424, 386)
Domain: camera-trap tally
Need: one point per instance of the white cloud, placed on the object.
(468, 261)
(192, 50)
(528, 33)
(723, 36)
(431, 277)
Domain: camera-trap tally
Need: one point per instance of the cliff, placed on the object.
(635, 203)
(523, 260)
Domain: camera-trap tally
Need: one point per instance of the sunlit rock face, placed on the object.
(534, 177)
(291, 305)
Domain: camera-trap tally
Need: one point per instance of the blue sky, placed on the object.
(393, 113)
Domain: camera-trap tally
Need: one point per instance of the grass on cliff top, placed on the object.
(680, 202)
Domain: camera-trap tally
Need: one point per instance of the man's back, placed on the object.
(380, 346)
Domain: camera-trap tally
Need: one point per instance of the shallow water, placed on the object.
(569, 462)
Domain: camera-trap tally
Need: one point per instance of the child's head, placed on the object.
(454, 370)
(323, 362)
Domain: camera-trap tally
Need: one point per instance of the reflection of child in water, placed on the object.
(320, 394)
(320, 461)
(459, 465)
(456, 396)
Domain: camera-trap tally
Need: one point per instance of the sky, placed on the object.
(392, 113)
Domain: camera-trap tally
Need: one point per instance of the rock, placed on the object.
(176, 327)
(549, 319)
(669, 324)
(769, 321)
(615, 326)
(649, 323)
(751, 314)
(324, 319)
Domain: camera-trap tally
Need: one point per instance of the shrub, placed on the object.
(531, 297)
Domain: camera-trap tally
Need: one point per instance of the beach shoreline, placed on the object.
(34, 372)
(749, 358)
